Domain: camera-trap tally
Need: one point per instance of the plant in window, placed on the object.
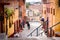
(8, 12)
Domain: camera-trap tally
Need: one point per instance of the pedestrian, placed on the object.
(20, 24)
(43, 21)
(28, 25)
(23, 23)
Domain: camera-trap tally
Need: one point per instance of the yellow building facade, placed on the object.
(18, 8)
(10, 21)
(52, 11)
(57, 16)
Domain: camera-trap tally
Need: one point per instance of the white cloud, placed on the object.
(33, 0)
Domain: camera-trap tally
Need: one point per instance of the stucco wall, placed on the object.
(13, 5)
(57, 15)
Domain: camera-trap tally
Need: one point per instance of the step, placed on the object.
(2, 36)
(23, 39)
(56, 38)
(35, 38)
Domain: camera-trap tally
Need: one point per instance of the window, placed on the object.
(44, 1)
(23, 1)
(45, 12)
(48, 10)
(20, 12)
(30, 13)
(10, 22)
(53, 11)
(1, 18)
(59, 3)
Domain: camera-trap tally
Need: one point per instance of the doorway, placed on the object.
(1, 18)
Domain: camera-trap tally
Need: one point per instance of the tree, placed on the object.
(27, 5)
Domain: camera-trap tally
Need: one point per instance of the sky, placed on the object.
(33, 0)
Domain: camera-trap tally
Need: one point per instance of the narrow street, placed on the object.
(25, 32)
(33, 25)
(29, 19)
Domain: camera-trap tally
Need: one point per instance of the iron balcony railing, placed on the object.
(37, 30)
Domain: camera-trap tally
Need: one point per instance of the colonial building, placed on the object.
(12, 11)
(35, 11)
(57, 17)
(51, 13)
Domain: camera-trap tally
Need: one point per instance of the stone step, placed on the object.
(35, 38)
(2, 36)
(23, 39)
